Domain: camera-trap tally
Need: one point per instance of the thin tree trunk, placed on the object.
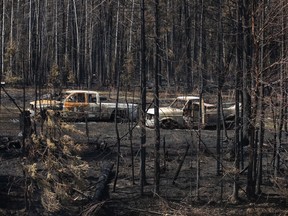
(261, 107)
(77, 44)
(2, 46)
(131, 27)
(11, 38)
(200, 118)
(237, 143)
(90, 28)
(156, 99)
(248, 128)
(282, 96)
(117, 134)
(130, 128)
(219, 78)
(67, 28)
(188, 27)
(114, 57)
(143, 99)
(86, 48)
(30, 41)
(56, 32)
(3, 38)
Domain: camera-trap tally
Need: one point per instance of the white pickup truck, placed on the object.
(183, 112)
(80, 104)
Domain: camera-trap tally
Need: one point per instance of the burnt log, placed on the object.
(101, 191)
(180, 165)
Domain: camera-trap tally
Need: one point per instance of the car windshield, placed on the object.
(64, 96)
(178, 104)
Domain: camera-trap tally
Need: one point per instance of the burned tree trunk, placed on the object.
(101, 187)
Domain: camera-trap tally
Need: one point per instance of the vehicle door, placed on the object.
(188, 114)
(94, 108)
(76, 102)
(195, 113)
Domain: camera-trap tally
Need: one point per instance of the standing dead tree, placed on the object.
(156, 99)
(143, 99)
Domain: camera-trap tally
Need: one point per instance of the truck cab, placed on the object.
(183, 112)
(80, 105)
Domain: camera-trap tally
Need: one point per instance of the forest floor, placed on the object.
(178, 193)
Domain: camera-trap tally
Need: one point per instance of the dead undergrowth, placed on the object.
(63, 162)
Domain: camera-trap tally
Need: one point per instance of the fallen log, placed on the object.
(180, 165)
(101, 187)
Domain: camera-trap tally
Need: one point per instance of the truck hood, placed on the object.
(164, 111)
(45, 103)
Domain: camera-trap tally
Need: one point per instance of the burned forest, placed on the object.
(143, 107)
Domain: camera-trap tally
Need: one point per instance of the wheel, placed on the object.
(169, 124)
(119, 117)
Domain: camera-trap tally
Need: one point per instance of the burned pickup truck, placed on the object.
(85, 104)
(183, 112)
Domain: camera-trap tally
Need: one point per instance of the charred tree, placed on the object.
(156, 99)
(200, 117)
(219, 83)
(143, 99)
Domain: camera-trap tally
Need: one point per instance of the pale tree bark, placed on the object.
(77, 43)
(131, 26)
(88, 58)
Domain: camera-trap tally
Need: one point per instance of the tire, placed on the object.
(169, 124)
(119, 118)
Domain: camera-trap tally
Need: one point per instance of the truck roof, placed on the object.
(81, 91)
(188, 97)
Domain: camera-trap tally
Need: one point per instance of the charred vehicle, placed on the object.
(85, 104)
(183, 112)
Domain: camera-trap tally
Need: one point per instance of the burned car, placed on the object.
(85, 104)
(183, 112)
